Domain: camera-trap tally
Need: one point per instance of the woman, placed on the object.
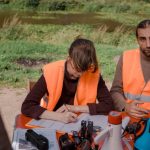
(72, 85)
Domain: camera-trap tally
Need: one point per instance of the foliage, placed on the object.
(14, 73)
(148, 1)
(26, 48)
(117, 6)
(5, 1)
(33, 3)
(61, 5)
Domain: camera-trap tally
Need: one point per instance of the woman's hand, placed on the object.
(65, 117)
(61, 109)
(75, 109)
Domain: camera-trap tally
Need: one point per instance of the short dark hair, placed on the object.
(143, 24)
(83, 54)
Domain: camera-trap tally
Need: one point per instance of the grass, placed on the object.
(49, 43)
(26, 48)
(11, 22)
(16, 74)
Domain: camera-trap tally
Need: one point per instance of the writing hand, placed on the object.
(68, 117)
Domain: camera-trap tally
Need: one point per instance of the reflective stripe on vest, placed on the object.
(137, 97)
(86, 89)
(134, 85)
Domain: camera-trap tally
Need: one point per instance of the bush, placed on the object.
(5, 1)
(123, 8)
(61, 5)
(33, 3)
(57, 5)
(147, 1)
(93, 7)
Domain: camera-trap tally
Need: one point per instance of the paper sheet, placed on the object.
(98, 120)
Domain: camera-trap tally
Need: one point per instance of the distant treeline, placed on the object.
(117, 6)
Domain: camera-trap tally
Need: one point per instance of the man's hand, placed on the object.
(134, 110)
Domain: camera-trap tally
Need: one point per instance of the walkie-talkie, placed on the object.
(37, 140)
(83, 129)
(89, 130)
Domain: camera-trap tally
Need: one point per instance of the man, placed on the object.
(72, 86)
(131, 85)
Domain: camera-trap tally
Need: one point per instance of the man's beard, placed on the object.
(146, 52)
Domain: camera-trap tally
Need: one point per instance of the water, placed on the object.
(60, 19)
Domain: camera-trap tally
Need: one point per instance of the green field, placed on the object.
(24, 49)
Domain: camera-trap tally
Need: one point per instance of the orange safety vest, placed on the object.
(134, 85)
(54, 76)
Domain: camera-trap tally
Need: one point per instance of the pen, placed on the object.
(66, 107)
(69, 111)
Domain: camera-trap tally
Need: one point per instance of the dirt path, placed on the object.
(10, 104)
